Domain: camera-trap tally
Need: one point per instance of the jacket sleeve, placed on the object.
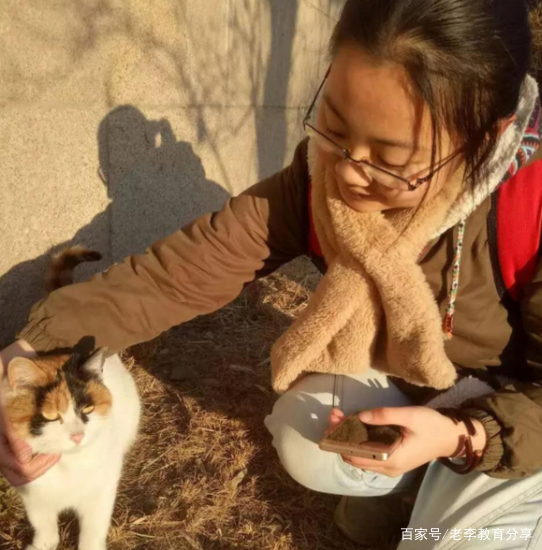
(195, 271)
(512, 416)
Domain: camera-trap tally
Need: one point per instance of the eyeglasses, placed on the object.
(377, 174)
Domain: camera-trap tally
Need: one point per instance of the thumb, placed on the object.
(398, 416)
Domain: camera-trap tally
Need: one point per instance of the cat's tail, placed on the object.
(62, 265)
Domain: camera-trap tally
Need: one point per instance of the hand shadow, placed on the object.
(156, 185)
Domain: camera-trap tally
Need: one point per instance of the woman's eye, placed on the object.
(392, 166)
(88, 410)
(336, 135)
(51, 417)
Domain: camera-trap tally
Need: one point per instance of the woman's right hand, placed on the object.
(17, 464)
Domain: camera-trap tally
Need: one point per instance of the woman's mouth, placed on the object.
(357, 192)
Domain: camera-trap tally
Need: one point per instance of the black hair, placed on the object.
(466, 59)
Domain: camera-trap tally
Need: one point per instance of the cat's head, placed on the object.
(57, 403)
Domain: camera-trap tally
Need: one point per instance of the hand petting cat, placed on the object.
(17, 464)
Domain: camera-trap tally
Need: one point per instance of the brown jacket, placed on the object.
(205, 265)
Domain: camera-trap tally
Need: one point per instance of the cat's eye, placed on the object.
(88, 410)
(51, 417)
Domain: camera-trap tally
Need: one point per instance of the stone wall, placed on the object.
(123, 120)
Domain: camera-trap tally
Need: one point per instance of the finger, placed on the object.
(8, 461)
(399, 416)
(338, 413)
(21, 450)
(335, 418)
(14, 478)
(39, 465)
(7, 458)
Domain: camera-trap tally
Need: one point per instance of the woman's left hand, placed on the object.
(427, 435)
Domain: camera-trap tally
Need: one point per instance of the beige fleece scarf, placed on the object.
(374, 307)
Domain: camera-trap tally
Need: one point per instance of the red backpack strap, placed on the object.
(518, 207)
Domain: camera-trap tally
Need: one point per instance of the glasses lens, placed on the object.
(324, 143)
(383, 178)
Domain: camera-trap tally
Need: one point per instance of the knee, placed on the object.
(296, 433)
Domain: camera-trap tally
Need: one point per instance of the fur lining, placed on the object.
(504, 156)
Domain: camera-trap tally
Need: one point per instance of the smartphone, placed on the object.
(355, 438)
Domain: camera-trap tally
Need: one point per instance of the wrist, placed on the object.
(455, 445)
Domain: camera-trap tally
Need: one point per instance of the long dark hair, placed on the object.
(467, 60)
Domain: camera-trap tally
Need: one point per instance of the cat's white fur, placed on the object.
(86, 477)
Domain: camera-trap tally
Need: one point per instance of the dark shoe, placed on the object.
(374, 520)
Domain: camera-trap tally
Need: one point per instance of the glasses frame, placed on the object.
(412, 185)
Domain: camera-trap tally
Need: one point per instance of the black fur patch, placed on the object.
(77, 378)
(38, 421)
(36, 425)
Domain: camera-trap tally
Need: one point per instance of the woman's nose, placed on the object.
(351, 174)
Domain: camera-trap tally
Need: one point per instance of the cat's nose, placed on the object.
(77, 438)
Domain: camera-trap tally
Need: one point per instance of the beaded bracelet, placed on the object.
(473, 458)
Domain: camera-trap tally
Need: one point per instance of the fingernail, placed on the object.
(366, 416)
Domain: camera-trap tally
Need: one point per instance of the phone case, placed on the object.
(355, 438)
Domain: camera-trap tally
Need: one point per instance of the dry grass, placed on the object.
(203, 474)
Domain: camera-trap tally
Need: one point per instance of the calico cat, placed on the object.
(84, 406)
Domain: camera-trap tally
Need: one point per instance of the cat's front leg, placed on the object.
(45, 524)
(95, 518)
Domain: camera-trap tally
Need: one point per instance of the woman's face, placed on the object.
(368, 109)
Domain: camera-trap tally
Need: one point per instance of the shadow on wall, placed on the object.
(156, 185)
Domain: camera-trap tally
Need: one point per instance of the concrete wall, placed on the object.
(122, 120)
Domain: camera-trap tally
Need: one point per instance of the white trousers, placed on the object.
(463, 512)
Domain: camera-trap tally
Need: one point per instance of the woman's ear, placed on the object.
(505, 123)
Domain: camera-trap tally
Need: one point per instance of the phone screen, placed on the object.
(354, 432)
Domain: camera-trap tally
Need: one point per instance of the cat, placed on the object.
(83, 405)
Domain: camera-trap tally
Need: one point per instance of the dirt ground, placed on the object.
(203, 474)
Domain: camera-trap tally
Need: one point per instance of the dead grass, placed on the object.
(203, 475)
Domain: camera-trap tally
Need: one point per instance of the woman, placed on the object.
(422, 113)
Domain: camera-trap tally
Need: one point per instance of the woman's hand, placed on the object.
(427, 435)
(16, 461)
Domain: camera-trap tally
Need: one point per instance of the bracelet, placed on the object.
(473, 458)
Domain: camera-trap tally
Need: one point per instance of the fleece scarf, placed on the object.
(374, 307)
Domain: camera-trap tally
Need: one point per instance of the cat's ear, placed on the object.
(95, 364)
(24, 373)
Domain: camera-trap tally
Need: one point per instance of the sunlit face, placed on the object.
(368, 109)
(57, 403)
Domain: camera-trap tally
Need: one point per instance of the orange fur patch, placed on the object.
(57, 401)
(101, 397)
(19, 411)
